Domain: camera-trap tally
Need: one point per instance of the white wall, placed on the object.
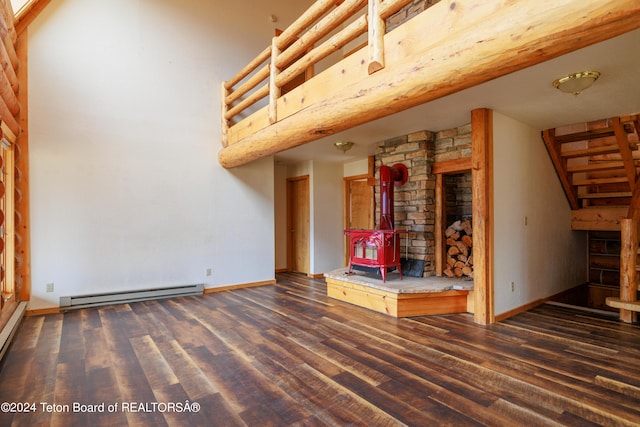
(124, 110)
(540, 255)
(280, 208)
(327, 229)
(355, 168)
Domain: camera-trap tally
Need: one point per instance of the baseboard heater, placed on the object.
(96, 300)
(10, 328)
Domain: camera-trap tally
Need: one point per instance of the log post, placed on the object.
(440, 255)
(628, 275)
(482, 208)
(22, 180)
(377, 29)
(274, 90)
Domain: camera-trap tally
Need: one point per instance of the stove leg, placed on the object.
(383, 270)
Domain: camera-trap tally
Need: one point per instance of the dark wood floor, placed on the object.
(287, 355)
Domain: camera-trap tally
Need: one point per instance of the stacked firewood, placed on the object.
(458, 245)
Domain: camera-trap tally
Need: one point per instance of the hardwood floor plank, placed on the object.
(70, 388)
(618, 386)
(307, 387)
(155, 367)
(397, 408)
(96, 350)
(214, 411)
(102, 387)
(30, 329)
(523, 415)
(193, 380)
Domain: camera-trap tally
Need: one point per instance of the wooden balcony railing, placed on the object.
(325, 28)
(451, 46)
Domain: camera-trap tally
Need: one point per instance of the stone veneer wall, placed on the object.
(453, 144)
(414, 202)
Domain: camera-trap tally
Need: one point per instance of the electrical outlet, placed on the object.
(208, 272)
(513, 287)
(49, 287)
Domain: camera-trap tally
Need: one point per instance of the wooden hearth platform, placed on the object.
(410, 296)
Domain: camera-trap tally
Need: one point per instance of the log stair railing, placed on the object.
(598, 165)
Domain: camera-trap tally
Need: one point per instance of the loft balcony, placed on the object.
(302, 87)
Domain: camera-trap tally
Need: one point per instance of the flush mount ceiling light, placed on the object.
(576, 82)
(343, 146)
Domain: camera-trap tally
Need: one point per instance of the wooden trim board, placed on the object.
(239, 286)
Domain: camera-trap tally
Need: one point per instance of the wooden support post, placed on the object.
(441, 209)
(628, 274)
(23, 227)
(274, 90)
(377, 29)
(482, 208)
(9, 253)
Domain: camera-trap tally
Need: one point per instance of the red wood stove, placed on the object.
(380, 248)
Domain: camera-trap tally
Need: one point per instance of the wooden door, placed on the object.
(298, 224)
(360, 204)
(359, 207)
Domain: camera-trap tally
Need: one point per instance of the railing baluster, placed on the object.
(274, 90)
(376, 37)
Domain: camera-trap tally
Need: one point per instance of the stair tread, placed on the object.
(594, 151)
(604, 195)
(585, 135)
(595, 166)
(594, 181)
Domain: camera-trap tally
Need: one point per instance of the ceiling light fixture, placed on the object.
(344, 146)
(576, 82)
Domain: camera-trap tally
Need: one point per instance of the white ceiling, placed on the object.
(527, 95)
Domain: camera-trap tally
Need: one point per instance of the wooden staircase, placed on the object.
(598, 165)
(597, 162)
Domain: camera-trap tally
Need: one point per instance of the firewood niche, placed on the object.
(459, 245)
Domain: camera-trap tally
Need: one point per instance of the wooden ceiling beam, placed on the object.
(470, 42)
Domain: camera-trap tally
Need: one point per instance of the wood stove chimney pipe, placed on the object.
(396, 174)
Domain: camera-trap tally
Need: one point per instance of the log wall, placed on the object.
(12, 158)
